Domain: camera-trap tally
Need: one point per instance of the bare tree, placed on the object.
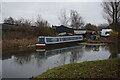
(112, 11)
(63, 18)
(76, 20)
(21, 22)
(9, 20)
(40, 22)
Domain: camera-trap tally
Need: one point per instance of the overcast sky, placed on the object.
(50, 11)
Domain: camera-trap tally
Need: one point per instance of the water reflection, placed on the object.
(92, 47)
(28, 63)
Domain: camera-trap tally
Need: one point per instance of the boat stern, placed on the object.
(41, 46)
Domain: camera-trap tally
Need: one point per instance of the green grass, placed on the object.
(92, 69)
(84, 43)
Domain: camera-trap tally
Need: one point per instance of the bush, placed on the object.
(114, 34)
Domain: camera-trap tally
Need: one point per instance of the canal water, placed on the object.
(32, 62)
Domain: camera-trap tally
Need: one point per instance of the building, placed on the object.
(63, 30)
(79, 31)
(7, 27)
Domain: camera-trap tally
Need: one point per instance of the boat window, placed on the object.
(52, 39)
(55, 39)
(41, 40)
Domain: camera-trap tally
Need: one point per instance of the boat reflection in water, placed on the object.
(58, 51)
(27, 64)
(73, 53)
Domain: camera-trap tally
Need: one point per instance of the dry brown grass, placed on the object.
(17, 43)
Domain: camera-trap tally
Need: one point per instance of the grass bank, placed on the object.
(92, 69)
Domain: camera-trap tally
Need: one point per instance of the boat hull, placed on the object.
(58, 45)
(41, 46)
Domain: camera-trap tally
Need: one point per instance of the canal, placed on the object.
(32, 62)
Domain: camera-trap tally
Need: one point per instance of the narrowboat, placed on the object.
(43, 41)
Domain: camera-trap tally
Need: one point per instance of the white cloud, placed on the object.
(52, 0)
(91, 12)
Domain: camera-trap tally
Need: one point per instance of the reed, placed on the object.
(23, 36)
(17, 43)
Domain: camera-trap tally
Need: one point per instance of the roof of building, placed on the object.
(62, 28)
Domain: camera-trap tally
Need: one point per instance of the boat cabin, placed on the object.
(105, 32)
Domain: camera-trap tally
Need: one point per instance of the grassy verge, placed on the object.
(92, 69)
